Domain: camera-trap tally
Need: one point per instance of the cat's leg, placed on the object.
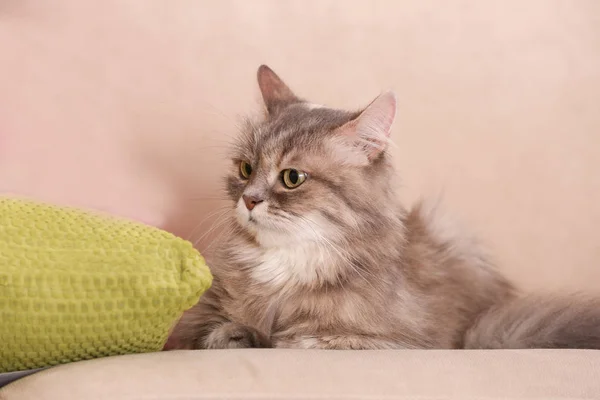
(207, 326)
(338, 342)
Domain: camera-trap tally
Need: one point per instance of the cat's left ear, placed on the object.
(370, 131)
(276, 94)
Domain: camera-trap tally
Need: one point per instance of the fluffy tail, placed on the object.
(534, 322)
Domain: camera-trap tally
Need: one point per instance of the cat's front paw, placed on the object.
(235, 336)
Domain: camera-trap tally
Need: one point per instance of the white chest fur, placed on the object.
(299, 264)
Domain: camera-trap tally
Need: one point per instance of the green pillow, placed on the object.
(77, 285)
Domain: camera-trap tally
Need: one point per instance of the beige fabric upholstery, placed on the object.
(289, 374)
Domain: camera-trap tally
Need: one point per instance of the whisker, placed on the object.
(228, 229)
(215, 226)
(219, 210)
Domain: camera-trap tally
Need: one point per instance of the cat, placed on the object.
(322, 255)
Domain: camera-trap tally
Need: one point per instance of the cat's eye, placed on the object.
(292, 178)
(245, 170)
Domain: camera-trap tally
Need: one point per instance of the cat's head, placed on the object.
(311, 173)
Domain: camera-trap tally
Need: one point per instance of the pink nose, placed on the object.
(251, 201)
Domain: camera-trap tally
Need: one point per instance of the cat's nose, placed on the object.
(251, 201)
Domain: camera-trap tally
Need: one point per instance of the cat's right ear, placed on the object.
(275, 93)
(369, 132)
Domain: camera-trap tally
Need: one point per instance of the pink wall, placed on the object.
(126, 106)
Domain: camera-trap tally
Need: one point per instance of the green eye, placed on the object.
(292, 178)
(245, 170)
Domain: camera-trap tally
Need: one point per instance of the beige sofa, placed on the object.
(127, 106)
(281, 374)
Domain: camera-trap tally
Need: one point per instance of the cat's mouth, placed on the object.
(258, 222)
(257, 219)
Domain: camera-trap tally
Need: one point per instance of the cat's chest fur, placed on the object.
(297, 264)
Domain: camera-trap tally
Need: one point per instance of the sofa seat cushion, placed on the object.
(307, 374)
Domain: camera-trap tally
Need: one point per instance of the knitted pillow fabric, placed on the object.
(77, 285)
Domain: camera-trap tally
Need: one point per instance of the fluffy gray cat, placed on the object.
(323, 255)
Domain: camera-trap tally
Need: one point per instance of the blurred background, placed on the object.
(128, 107)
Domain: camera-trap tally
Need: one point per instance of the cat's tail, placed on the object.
(536, 322)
